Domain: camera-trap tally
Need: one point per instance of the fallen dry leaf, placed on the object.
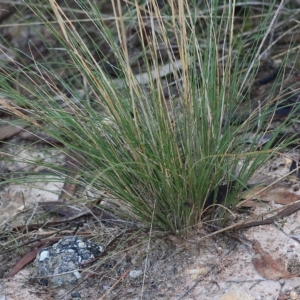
(30, 256)
(64, 209)
(267, 266)
(279, 194)
(9, 130)
(69, 213)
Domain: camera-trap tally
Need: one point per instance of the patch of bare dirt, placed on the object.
(261, 262)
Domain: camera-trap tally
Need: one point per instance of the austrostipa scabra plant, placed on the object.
(148, 96)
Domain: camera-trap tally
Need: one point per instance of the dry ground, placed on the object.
(195, 268)
(261, 261)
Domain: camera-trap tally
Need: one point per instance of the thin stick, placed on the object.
(116, 283)
(201, 278)
(148, 250)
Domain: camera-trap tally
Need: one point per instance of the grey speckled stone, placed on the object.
(60, 263)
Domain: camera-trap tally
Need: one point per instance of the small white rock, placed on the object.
(81, 245)
(21, 208)
(43, 255)
(135, 273)
(293, 295)
(236, 295)
(77, 274)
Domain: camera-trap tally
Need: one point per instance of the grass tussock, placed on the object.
(154, 119)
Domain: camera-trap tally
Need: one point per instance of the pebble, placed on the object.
(76, 295)
(135, 273)
(293, 295)
(236, 295)
(195, 273)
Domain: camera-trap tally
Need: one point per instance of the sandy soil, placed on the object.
(261, 262)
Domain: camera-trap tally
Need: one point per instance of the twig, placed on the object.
(202, 277)
(148, 250)
(116, 283)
